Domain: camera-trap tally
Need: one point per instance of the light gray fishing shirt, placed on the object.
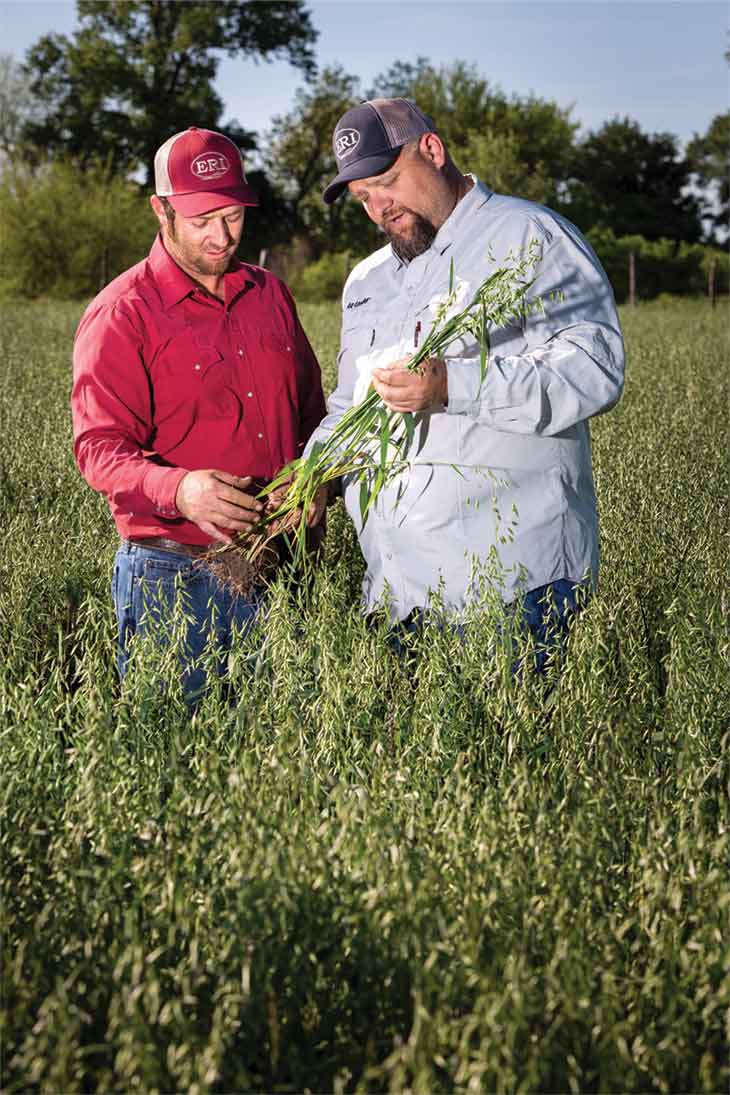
(499, 486)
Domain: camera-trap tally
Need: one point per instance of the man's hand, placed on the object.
(316, 509)
(402, 390)
(218, 503)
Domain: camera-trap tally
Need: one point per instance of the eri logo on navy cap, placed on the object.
(346, 141)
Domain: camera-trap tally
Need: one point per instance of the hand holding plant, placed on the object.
(372, 441)
(411, 391)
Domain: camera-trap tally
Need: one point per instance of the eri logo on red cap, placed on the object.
(210, 166)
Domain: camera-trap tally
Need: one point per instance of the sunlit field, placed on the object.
(354, 871)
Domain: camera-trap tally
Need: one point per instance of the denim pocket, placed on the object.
(168, 571)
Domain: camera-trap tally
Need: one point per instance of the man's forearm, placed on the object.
(119, 469)
(576, 375)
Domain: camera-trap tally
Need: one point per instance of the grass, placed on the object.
(371, 874)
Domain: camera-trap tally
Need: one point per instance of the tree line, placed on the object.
(86, 112)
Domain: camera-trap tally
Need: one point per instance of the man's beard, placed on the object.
(207, 266)
(196, 260)
(420, 238)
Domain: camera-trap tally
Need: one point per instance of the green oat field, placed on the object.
(365, 873)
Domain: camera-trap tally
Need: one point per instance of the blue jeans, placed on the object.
(545, 611)
(145, 587)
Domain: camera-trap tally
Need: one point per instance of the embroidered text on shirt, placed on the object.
(357, 303)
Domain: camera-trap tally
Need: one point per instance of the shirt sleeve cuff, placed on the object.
(160, 486)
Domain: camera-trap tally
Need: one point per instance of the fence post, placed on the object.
(263, 255)
(104, 273)
(711, 283)
(632, 279)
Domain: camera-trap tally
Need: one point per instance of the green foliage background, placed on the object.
(368, 873)
(80, 122)
(66, 234)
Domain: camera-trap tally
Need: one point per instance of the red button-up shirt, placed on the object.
(169, 379)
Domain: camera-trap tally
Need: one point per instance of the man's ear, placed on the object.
(158, 210)
(432, 149)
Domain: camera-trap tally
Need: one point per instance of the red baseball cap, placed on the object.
(199, 171)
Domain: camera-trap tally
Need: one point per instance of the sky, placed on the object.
(661, 62)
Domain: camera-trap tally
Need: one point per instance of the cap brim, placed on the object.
(360, 169)
(194, 205)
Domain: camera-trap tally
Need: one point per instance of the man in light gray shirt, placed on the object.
(521, 506)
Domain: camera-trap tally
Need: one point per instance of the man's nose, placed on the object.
(221, 233)
(379, 205)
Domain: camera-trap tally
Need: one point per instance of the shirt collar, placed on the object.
(454, 223)
(452, 226)
(174, 284)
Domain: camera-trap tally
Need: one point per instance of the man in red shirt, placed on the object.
(193, 381)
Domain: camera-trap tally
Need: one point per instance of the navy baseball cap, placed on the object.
(368, 139)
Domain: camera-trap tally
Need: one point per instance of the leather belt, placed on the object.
(161, 543)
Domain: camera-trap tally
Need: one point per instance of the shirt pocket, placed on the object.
(358, 339)
(206, 359)
(181, 366)
(184, 361)
(353, 369)
(190, 382)
(273, 362)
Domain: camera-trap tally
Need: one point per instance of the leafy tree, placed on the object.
(297, 156)
(496, 158)
(67, 233)
(18, 107)
(710, 158)
(544, 132)
(634, 183)
(457, 98)
(139, 70)
(522, 145)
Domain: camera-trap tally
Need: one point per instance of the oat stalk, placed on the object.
(371, 443)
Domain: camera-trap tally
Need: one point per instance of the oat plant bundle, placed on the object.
(372, 444)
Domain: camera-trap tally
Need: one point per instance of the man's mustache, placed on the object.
(419, 219)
